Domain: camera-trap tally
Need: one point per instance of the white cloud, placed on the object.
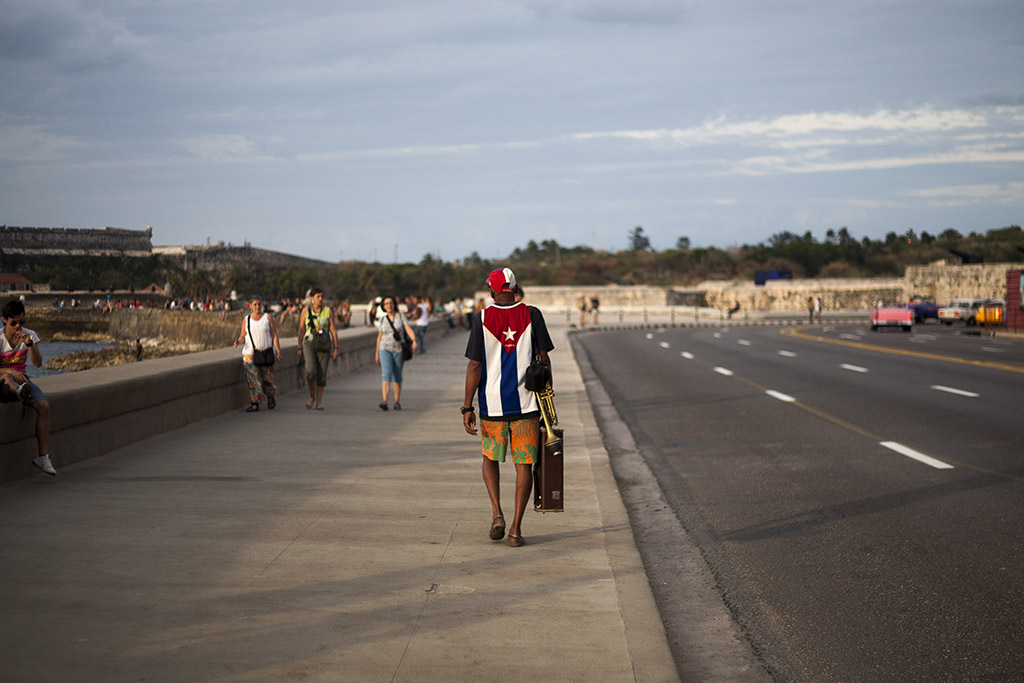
(223, 148)
(963, 195)
(30, 143)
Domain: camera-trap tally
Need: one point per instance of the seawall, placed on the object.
(96, 411)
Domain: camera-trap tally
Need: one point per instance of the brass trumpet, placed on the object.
(546, 401)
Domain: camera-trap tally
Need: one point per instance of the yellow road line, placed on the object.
(794, 332)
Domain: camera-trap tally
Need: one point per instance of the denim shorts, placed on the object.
(35, 395)
(391, 366)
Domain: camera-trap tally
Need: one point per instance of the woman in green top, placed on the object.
(315, 326)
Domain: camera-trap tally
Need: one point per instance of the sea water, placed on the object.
(59, 348)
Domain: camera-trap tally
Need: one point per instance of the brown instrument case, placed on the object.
(547, 474)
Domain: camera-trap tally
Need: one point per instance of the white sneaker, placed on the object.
(43, 463)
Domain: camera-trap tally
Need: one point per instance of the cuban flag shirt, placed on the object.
(502, 339)
(15, 357)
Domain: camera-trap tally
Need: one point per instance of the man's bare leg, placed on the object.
(524, 487)
(492, 479)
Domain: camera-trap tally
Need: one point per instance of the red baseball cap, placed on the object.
(501, 279)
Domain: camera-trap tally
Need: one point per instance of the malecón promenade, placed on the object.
(343, 545)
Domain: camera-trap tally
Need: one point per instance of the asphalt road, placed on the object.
(858, 496)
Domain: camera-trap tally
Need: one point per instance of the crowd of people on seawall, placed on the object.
(401, 324)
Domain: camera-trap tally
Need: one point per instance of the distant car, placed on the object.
(961, 310)
(924, 307)
(990, 313)
(892, 316)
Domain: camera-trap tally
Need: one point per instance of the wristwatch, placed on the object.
(465, 410)
(30, 343)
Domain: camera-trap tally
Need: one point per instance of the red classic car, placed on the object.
(892, 316)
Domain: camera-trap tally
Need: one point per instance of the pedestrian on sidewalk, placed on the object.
(501, 345)
(392, 328)
(318, 339)
(18, 345)
(259, 334)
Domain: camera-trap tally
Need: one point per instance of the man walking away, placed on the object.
(501, 345)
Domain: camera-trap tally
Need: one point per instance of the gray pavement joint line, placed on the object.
(426, 600)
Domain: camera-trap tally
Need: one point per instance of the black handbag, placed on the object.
(261, 358)
(401, 339)
(321, 338)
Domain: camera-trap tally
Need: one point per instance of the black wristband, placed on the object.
(465, 410)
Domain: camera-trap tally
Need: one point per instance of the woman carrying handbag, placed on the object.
(393, 332)
(261, 348)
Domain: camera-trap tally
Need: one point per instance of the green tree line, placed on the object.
(839, 254)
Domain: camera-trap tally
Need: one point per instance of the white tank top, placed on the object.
(260, 331)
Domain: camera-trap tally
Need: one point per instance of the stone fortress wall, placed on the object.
(221, 257)
(76, 241)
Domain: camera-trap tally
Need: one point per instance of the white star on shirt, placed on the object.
(510, 334)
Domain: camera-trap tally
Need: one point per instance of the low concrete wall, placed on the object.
(97, 411)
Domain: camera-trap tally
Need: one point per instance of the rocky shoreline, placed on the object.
(119, 355)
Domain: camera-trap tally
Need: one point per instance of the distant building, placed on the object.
(9, 282)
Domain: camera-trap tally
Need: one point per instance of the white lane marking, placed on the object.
(664, 345)
(828, 328)
(920, 457)
(853, 368)
(723, 371)
(992, 349)
(787, 354)
(930, 337)
(650, 336)
(687, 355)
(781, 396)
(855, 337)
(918, 341)
(718, 335)
(958, 392)
(743, 342)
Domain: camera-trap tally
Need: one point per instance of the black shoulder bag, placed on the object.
(401, 339)
(261, 358)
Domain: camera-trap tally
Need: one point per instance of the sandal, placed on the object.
(309, 404)
(515, 541)
(319, 406)
(497, 528)
(253, 407)
(398, 406)
(271, 402)
(383, 406)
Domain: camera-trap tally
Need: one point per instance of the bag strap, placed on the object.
(533, 337)
(393, 326)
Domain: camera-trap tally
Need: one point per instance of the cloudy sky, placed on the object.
(365, 130)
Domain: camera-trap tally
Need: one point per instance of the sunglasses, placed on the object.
(16, 323)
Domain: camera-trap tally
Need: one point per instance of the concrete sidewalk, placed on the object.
(343, 545)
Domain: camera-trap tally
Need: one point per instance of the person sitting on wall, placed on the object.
(18, 344)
